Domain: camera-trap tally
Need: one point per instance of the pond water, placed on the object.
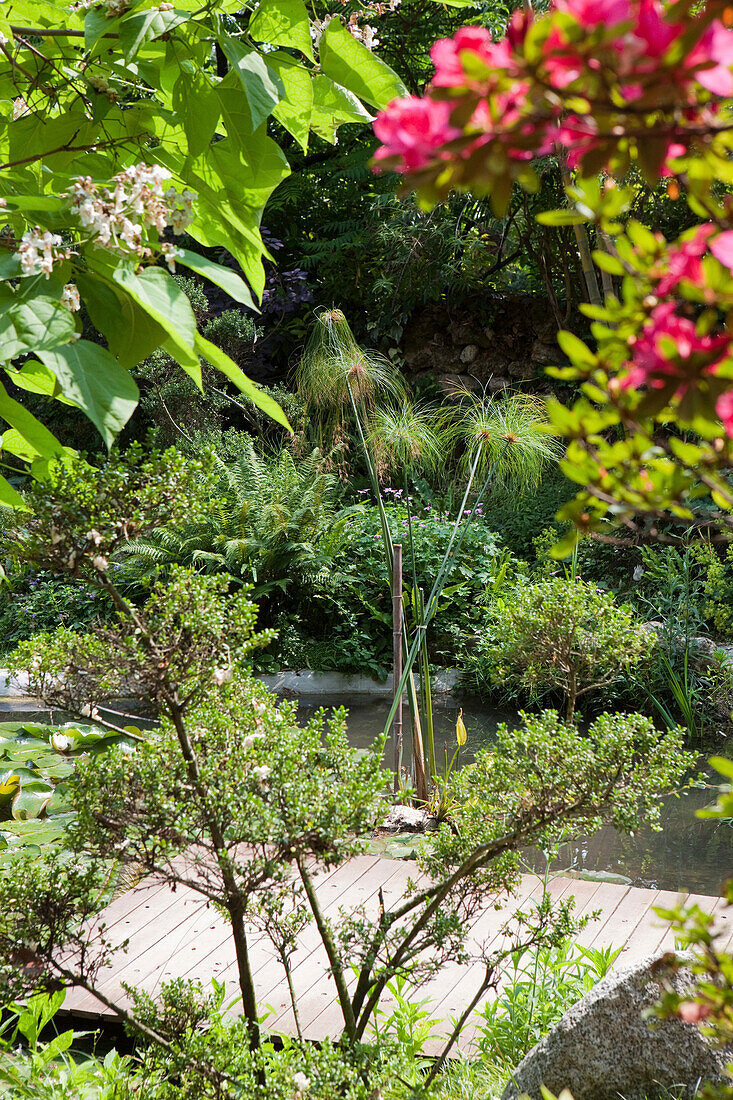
(688, 854)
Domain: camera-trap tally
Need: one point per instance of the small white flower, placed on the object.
(171, 254)
(262, 773)
(258, 707)
(100, 563)
(93, 536)
(86, 710)
(4, 40)
(302, 1084)
(249, 739)
(222, 676)
(70, 297)
(60, 742)
(638, 572)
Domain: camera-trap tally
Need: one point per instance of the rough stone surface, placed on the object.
(487, 338)
(603, 1048)
(405, 819)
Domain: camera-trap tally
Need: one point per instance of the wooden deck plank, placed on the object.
(150, 942)
(178, 934)
(313, 983)
(210, 953)
(560, 888)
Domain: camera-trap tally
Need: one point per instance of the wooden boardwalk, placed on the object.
(179, 935)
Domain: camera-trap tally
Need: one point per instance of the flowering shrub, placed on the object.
(118, 137)
(607, 85)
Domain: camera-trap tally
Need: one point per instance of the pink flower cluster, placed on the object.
(669, 348)
(639, 75)
(671, 354)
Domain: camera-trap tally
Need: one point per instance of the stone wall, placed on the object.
(504, 340)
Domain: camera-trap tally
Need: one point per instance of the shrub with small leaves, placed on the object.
(559, 635)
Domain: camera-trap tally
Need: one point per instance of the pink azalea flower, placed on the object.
(715, 45)
(724, 409)
(413, 129)
(446, 55)
(669, 348)
(653, 31)
(722, 248)
(594, 13)
(685, 262)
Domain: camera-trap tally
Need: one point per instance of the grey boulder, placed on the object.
(604, 1048)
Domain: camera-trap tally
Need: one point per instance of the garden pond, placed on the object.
(688, 854)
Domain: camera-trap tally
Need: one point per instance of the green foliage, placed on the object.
(558, 635)
(32, 602)
(148, 101)
(539, 987)
(267, 521)
(53, 1069)
(349, 614)
(200, 633)
(82, 514)
(173, 403)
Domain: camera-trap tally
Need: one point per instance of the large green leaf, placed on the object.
(333, 106)
(27, 326)
(229, 368)
(131, 333)
(40, 439)
(165, 302)
(353, 66)
(197, 105)
(31, 800)
(249, 170)
(220, 219)
(294, 111)
(262, 88)
(93, 379)
(139, 27)
(283, 23)
(224, 277)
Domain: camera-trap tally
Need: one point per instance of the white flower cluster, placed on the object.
(4, 40)
(364, 34)
(301, 1084)
(39, 251)
(117, 217)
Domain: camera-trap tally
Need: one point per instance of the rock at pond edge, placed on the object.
(604, 1048)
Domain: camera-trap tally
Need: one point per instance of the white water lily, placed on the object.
(60, 742)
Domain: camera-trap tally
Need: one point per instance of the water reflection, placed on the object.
(687, 854)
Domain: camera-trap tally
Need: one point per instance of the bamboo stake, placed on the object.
(397, 657)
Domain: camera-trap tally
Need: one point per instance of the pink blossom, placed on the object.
(594, 13)
(578, 135)
(685, 262)
(413, 129)
(446, 55)
(692, 1012)
(724, 409)
(653, 31)
(669, 348)
(714, 50)
(722, 248)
